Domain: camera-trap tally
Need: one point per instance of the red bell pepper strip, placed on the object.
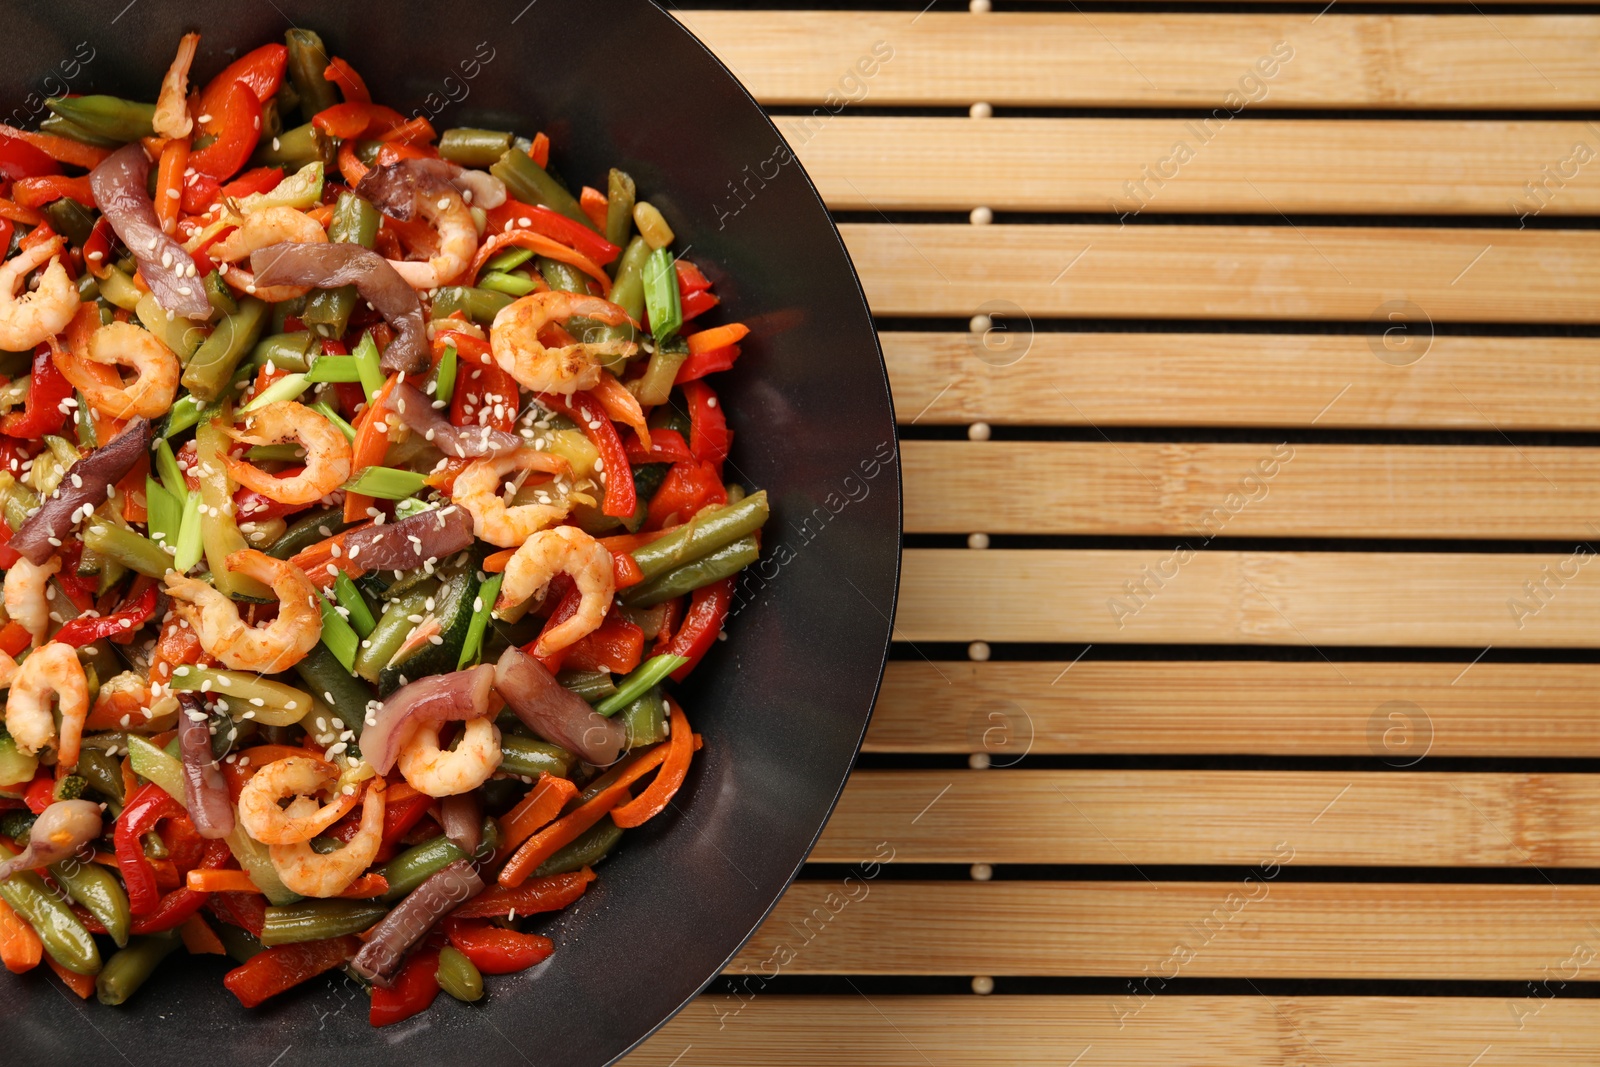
(236, 126)
(277, 969)
(708, 610)
(625, 570)
(248, 911)
(42, 413)
(349, 82)
(97, 249)
(259, 180)
(83, 631)
(709, 436)
(261, 70)
(175, 908)
(558, 227)
(550, 893)
(494, 950)
(200, 191)
(615, 645)
(8, 555)
(40, 794)
(586, 411)
(19, 159)
(687, 489)
(666, 446)
(563, 593)
(700, 364)
(414, 989)
(37, 192)
(690, 278)
(147, 807)
(696, 303)
(484, 395)
(14, 637)
(64, 149)
(356, 118)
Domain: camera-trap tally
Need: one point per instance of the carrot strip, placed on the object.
(542, 804)
(81, 984)
(169, 183)
(565, 830)
(220, 881)
(367, 886)
(621, 406)
(717, 337)
(628, 542)
(61, 149)
(10, 209)
(370, 445)
(20, 947)
(545, 247)
(200, 939)
(351, 168)
(497, 562)
(674, 769)
(539, 151)
(594, 204)
(417, 130)
(314, 559)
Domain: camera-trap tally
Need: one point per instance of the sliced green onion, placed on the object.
(284, 453)
(350, 598)
(286, 388)
(481, 610)
(445, 376)
(84, 424)
(387, 483)
(502, 282)
(338, 636)
(190, 545)
(510, 259)
(366, 357)
(636, 684)
(323, 408)
(185, 413)
(171, 477)
(661, 295)
(165, 513)
(335, 369)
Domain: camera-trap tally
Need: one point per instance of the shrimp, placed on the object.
(122, 344)
(541, 557)
(296, 779)
(477, 488)
(268, 649)
(51, 669)
(260, 229)
(328, 454)
(445, 772)
(26, 596)
(514, 340)
(458, 240)
(311, 874)
(37, 317)
(8, 669)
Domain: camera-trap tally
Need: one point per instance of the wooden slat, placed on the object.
(1466, 600)
(1244, 272)
(1400, 712)
(1334, 818)
(768, 1030)
(1233, 490)
(1189, 379)
(1289, 929)
(1158, 59)
(1100, 165)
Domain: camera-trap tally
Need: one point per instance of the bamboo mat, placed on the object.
(1247, 369)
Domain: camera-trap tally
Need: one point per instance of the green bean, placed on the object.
(620, 193)
(723, 563)
(104, 775)
(88, 287)
(221, 297)
(125, 972)
(562, 277)
(355, 221)
(655, 385)
(295, 148)
(459, 976)
(627, 292)
(532, 184)
(390, 633)
(705, 533)
(481, 305)
(589, 848)
(327, 679)
(64, 127)
(97, 890)
(68, 216)
(318, 920)
(127, 548)
(108, 117)
(181, 335)
(213, 363)
(640, 681)
(527, 757)
(307, 531)
(308, 58)
(64, 937)
(590, 685)
(473, 147)
(243, 694)
(414, 866)
(645, 720)
(240, 944)
(286, 351)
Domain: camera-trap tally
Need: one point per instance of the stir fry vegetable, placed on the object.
(362, 503)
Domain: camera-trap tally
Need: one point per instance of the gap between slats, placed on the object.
(1130, 59)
